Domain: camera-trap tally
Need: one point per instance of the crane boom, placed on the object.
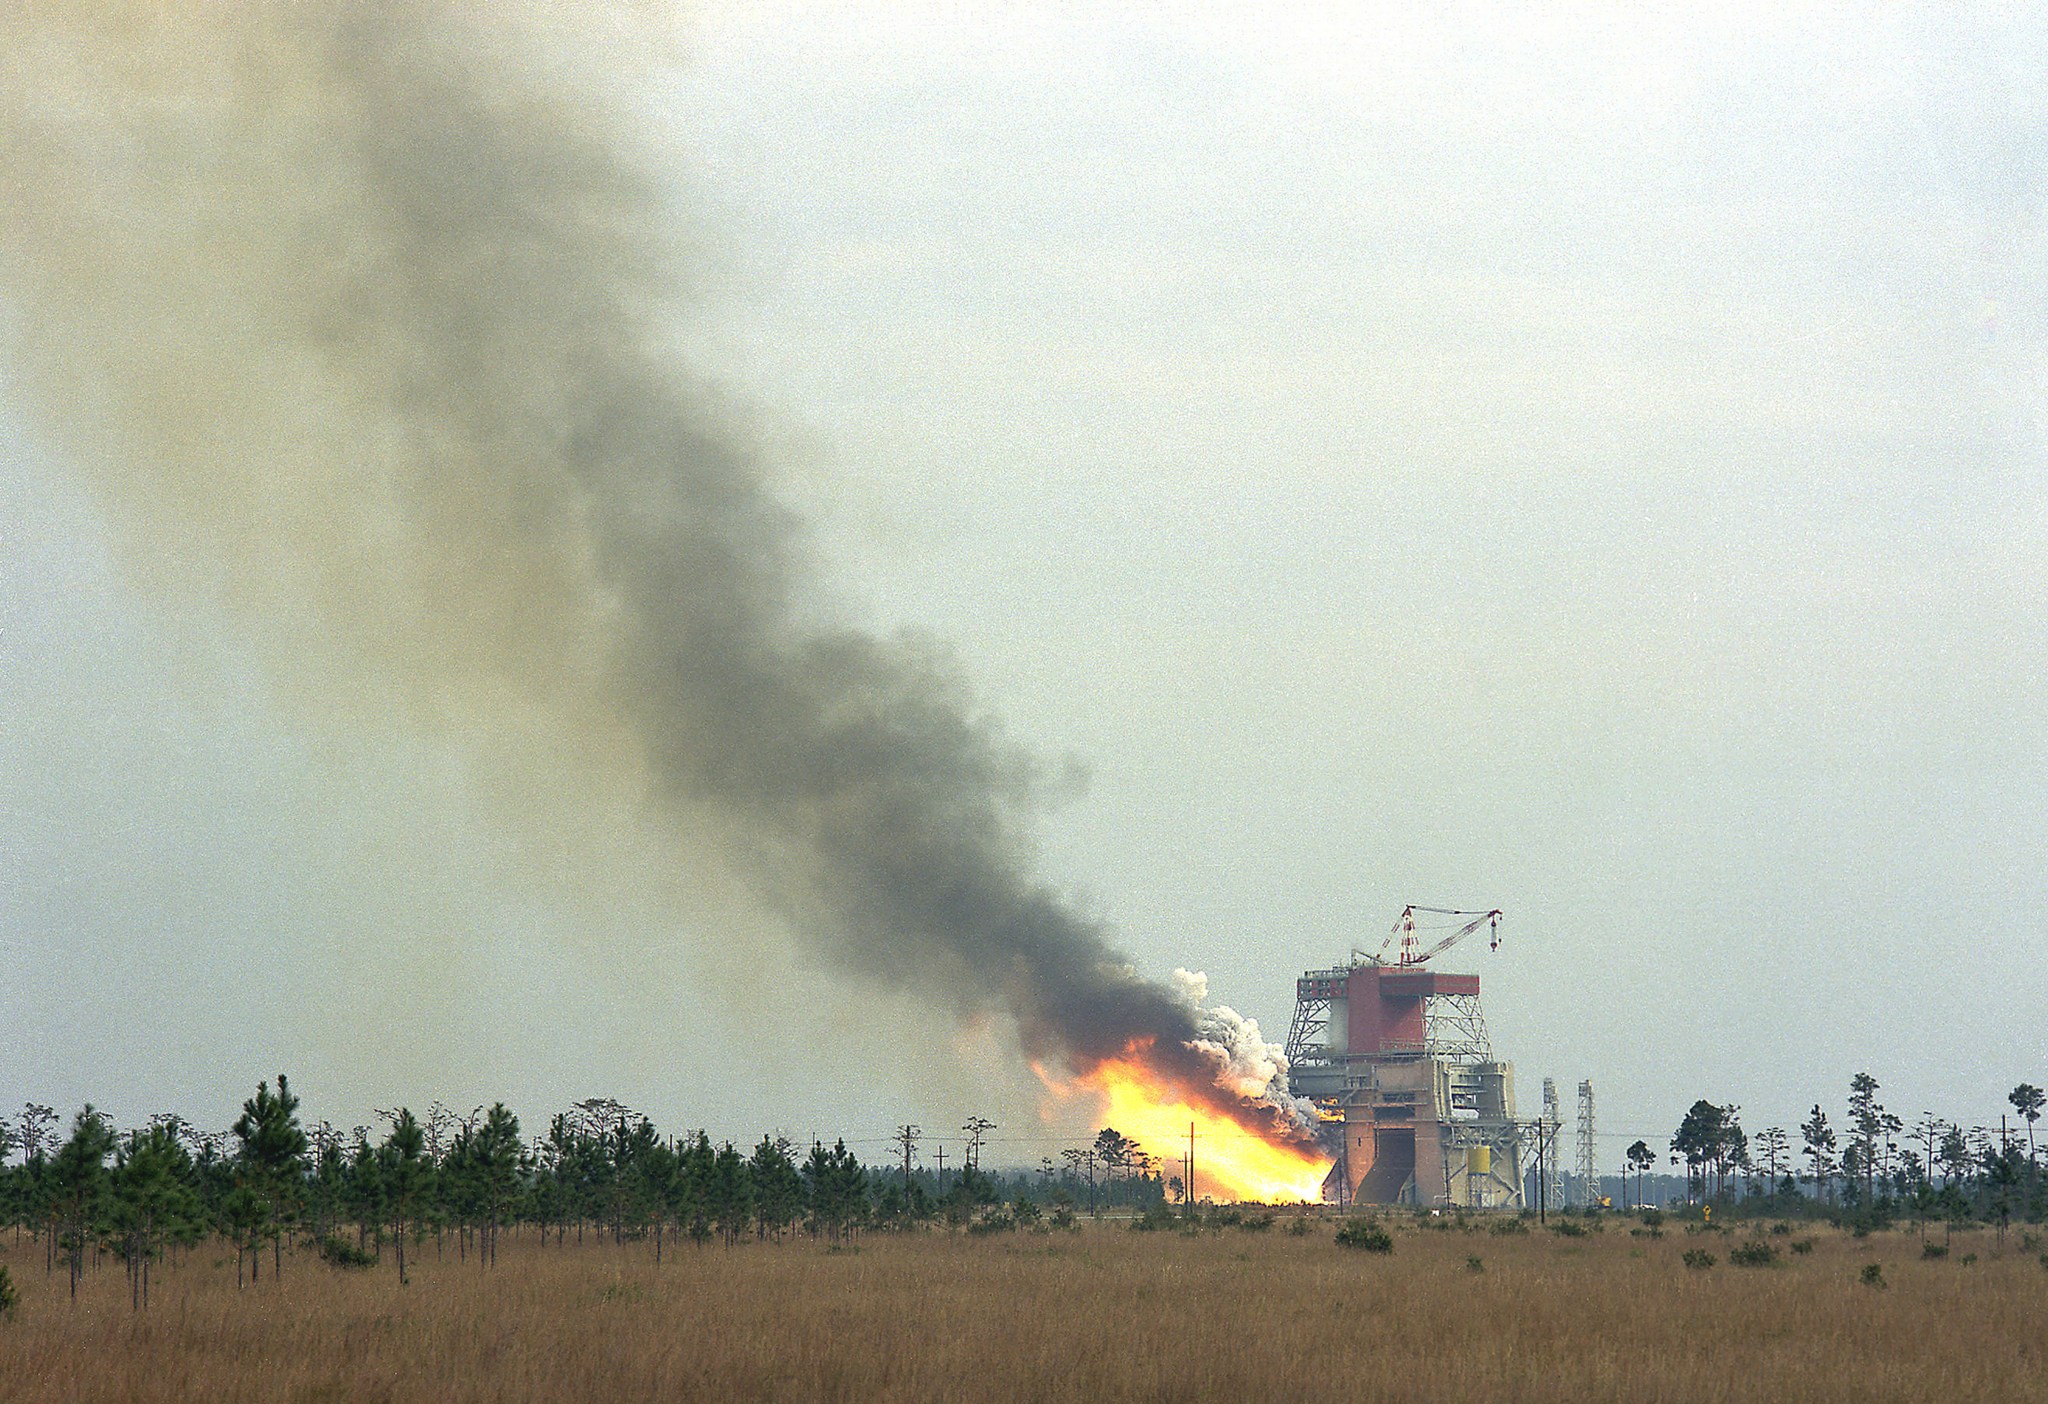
(1462, 932)
(1404, 929)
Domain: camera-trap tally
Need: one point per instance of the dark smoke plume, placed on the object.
(366, 314)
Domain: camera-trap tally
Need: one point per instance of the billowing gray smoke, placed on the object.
(367, 315)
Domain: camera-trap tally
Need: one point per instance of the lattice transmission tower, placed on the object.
(1553, 1190)
(1589, 1176)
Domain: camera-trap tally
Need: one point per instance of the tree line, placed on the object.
(91, 1194)
(1869, 1167)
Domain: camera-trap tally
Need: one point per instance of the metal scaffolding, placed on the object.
(1313, 994)
(1455, 1030)
(1494, 1179)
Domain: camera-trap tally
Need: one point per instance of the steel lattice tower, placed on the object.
(1553, 1191)
(1589, 1176)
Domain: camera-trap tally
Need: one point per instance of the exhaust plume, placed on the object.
(362, 320)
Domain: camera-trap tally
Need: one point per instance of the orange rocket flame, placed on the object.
(1244, 1149)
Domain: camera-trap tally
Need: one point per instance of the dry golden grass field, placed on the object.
(1103, 1314)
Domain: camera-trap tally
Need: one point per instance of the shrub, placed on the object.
(1698, 1258)
(1755, 1253)
(1569, 1228)
(1507, 1227)
(1156, 1217)
(1653, 1218)
(1873, 1276)
(992, 1223)
(1473, 1264)
(1781, 1229)
(1969, 1258)
(1366, 1234)
(1802, 1245)
(1256, 1223)
(10, 1299)
(1299, 1227)
(1934, 1250)
(337, 1251)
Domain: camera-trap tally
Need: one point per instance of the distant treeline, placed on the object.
(601, 1169)
(1869, 1168)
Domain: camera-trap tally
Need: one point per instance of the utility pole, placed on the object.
(940, 1155)
(1191, 1167)
(975, 1128)
(906, 1138)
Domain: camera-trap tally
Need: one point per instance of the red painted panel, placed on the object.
(1382, 1014)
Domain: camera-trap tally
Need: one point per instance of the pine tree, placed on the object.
(153, 1201)
(407, 1177)
(498, 1158)
(273, 1160)
(362, 1192)
(697, 1181)
(836, 1185)
(1640, 1158)
(1820, 1149)
(778, 1189)
(77, 1186)
(1867, 1127)
(2028, 1100)
(1774, 1147)
(732, 1194)
(1710, 1136)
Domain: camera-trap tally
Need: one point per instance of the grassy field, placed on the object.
(1103, 1314)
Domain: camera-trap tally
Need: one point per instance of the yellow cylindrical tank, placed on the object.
(1479, 1160)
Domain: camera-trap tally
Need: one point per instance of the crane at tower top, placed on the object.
(1405, 929)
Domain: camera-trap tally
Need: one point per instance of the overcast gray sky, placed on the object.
(1587, 463)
